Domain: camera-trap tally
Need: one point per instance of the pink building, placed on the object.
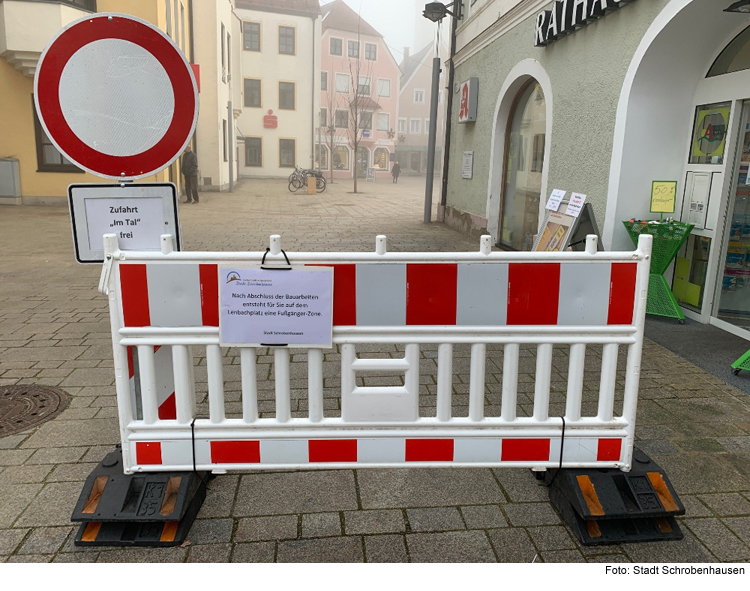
(357, 69)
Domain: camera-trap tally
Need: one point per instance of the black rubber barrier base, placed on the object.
(608, 506)
(141, 509)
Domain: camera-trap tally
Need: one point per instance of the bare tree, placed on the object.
(329, 126)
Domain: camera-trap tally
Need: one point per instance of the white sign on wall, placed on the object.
(137, 213)
(467, 165)
(275, 307)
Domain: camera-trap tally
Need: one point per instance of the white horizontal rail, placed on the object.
(380, 365)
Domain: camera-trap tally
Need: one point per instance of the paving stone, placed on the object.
(526, 514)
(75, 433)
(563, 556)
(385, 548)
(12, 441)
(740, 526)
(383, 489)
(657, 447)
(14, 499)
(554, 537)
(437, 519)
(220, 496)
(30, 558)
(90, 377)
(520, 485)
(693, 507)
(463, 546)
(343, 549)
(320, 525)
(512, 545)
(140, 555)
(211, 531)
(728, 504)
(483, 517)
(701, 473)
(374, 522)
(52, 506)
(80, 557)
(210, 553)
(70, 473)
(10, 539)
(258, 552)
(281, 527)
(24, 474)
(296, 492)
(718, 539)
(687, 549)
(14, 457)
(45, 540)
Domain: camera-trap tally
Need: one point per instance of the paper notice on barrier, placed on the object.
(555, 199)
(276, 307)
(576, 204)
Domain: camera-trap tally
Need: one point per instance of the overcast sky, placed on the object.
(394, 19)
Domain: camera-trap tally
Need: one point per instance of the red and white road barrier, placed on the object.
(165, 305)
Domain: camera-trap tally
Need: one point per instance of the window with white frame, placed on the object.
(384, 121)
(363, 88)
(402, 124)
(415, 126)
(342, 83)
(426, 126)
(419, 95)
(371, 51)
(336, 46)
(324, 81)
(341, 119)
(353, 49)
(365, 120)
(384, 87)
(381, 158)
(323, 117)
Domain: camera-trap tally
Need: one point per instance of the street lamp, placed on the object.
(435, 12)
(741, 6)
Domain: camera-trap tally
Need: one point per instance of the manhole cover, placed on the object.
(24, 407)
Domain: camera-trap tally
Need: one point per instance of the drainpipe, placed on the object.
(314, 19)
(449, 116)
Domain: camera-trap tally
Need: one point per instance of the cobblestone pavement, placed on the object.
(54, 330)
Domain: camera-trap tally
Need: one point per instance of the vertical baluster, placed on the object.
(348, 376)
(476, 381)
(315, 384)
(191, 368)
(411, 378)
(182, 386)
(607, 383)
(149, 402)
(215, 383)
(575, 382)
(542, 384)
(249, 384)
(510, 381)
(283, 401)
(444, 381)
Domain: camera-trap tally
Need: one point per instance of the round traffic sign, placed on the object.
(116, 96)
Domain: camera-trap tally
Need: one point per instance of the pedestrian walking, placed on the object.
(190, 171)
(395, 171)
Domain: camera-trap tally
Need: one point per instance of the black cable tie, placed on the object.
(263, 262)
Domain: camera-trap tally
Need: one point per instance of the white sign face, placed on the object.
(555, 199)
(138, 223)
(576, 204)
(137, 213)
(266, 307)
(467, 166)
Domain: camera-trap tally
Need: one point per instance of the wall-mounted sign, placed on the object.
(468, 91)
(270, 121)
(467, 166)
(663, 196)
(709, 133)
(365, 133)
(568, 15)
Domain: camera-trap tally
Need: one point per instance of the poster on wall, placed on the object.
(709, 133)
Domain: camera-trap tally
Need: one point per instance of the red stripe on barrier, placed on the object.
(344, 294)
(525, 450)
(209, 294)
(431, 294)
(332, 450)
(622, 293)
(131, 367)
(533, 293)
(609, 450)
(134, 288)
(235, 452)
(148, 452)
(429, 450)
(168, 409)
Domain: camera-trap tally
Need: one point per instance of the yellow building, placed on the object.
(32, 170)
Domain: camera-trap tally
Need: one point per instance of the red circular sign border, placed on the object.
(139, 32)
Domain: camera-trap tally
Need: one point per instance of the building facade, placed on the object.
(358, 97)
(32, 170)
(415, 97)
(604, 97)
(280, 85)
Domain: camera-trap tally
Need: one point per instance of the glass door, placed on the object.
(734, 299)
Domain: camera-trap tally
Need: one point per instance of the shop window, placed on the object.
(340, 158)
(709, 133)
(381, 158)
(253, 151)
(735, 56)
(321, 157)
(287, 153)
(522, 183)
(286, 40)
(252, 93)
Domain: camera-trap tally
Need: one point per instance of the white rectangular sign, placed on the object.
(276, 307)
(576, 204)
(467, 166)
(137, 213)
(555, 199)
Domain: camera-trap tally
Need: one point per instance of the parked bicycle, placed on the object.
(298, 179)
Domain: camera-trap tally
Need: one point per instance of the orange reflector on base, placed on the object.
(657, 481)
(91, 531)
(590, 496)
(169, 531)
